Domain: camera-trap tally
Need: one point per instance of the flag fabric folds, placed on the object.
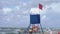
(40, 6)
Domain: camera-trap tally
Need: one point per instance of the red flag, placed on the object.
(40, 6)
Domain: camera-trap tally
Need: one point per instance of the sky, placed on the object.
(16, 13)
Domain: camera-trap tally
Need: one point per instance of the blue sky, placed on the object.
(15, 13)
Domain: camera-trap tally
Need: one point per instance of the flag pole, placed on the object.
(41, 7)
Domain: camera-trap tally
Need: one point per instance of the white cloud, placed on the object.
(24, 4)
(16, 8)
(18, 16)
(26, 12)
(6, 10)
(43, 17)
(8, 19)
(56, 7)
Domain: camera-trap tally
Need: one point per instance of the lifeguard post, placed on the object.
(35, 24)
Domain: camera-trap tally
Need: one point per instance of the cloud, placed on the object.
(52, 8)
(19, 8)
(43, 17)
(24, 4)
(56, 7)
(6, 10)
(26, 12)
(51, 18)
(8, 19)
(16, 8)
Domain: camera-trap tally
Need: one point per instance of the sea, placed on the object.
(10, 30)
